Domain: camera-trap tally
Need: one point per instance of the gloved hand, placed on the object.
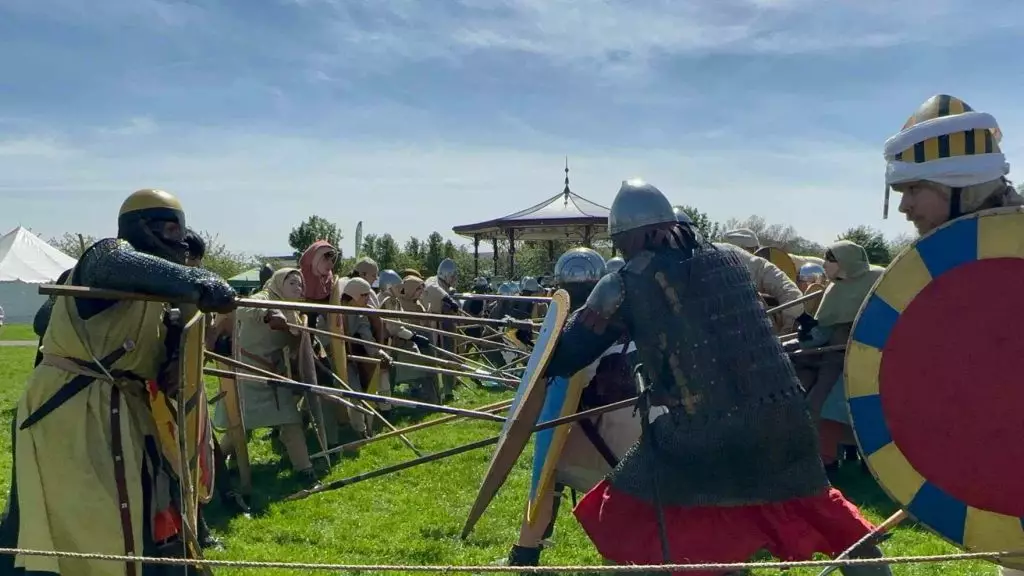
(421, 342)
(449, 305)
(215, 295)
(805, 323)
(525, 335)
(277, 320)
(385, 360)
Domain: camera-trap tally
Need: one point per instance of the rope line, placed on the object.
(529, 569)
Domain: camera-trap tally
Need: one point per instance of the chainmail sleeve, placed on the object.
(591, 329)
(113, 264)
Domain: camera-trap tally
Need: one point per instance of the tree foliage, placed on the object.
(710, 229)
(223, 261)
(72, 244)
(873, 242)
(315, 228)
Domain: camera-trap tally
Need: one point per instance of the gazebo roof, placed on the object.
(564, 216)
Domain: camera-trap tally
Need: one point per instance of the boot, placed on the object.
(206, 538)
(523, 556)
(867, 552)
(309, 478)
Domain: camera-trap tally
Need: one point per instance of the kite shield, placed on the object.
(563, 399)
(780, 258)
(525, 409)
(933, 374)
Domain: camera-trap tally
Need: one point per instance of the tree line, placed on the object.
(531, 258)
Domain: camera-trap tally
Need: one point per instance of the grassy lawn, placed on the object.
(17, 332)
(415, 516)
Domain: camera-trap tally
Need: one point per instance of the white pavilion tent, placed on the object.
(26, 261)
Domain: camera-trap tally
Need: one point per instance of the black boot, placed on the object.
(523, 556)
(206, 538)
(309, 478)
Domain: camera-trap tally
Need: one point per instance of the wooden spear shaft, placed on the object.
(433, 369)
(343, 393)
(433, 330)
(392, 348)
(798, 301)
(457, 450)
(105, 294)
(537, 299)
(499, 407)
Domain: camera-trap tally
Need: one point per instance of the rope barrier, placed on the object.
(518, 569)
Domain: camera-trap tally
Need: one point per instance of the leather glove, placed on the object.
(421, 342)
(525, 335)
(805, 323)
(276, 320)
(215, 295)
(449, 305)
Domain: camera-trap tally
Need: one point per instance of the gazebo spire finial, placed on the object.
(566, 191)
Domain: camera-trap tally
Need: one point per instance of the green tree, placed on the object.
(900, 243)
(315, 228)
(72, 244)
(873, 242)
(434, 253)
(709, 228)
(387, 252)
(370, 246)
(223, 261)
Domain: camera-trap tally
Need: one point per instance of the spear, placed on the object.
(342, 393)
(433, 330)
(497, 407)
(355, 340)
(432, 369)
(537, 299)
(798, 301)
(454, 451)
(105, 294)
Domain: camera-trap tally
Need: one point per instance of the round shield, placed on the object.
(780, 258)
(933, 374)
(811, 306)
(525, 409)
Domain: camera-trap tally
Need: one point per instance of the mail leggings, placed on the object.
(294, 440)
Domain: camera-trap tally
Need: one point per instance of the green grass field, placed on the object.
(17, 332)
(415, 516)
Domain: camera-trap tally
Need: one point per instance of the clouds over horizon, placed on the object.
(260, 114)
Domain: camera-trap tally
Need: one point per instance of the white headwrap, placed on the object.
(954, 171)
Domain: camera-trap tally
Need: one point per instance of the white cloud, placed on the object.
(252, 188)
(139, 126)
(628, 34)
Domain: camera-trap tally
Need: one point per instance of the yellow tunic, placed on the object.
(65, 470)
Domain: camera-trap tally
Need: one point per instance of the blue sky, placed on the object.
(416, 115)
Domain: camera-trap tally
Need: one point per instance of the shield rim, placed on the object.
(523, 414)
(191, 391)
(811, 307)
(556, 444)
(780, 258)
(861, 380)
(234, 412)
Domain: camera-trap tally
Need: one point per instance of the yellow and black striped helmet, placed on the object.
(147, 220)
(966, 143)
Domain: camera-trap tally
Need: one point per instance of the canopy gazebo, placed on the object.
(564, 216)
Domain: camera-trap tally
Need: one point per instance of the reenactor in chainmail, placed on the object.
(733, 466)
(594, 445)
(90, 472)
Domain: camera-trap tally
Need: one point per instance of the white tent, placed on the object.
(25, 262)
